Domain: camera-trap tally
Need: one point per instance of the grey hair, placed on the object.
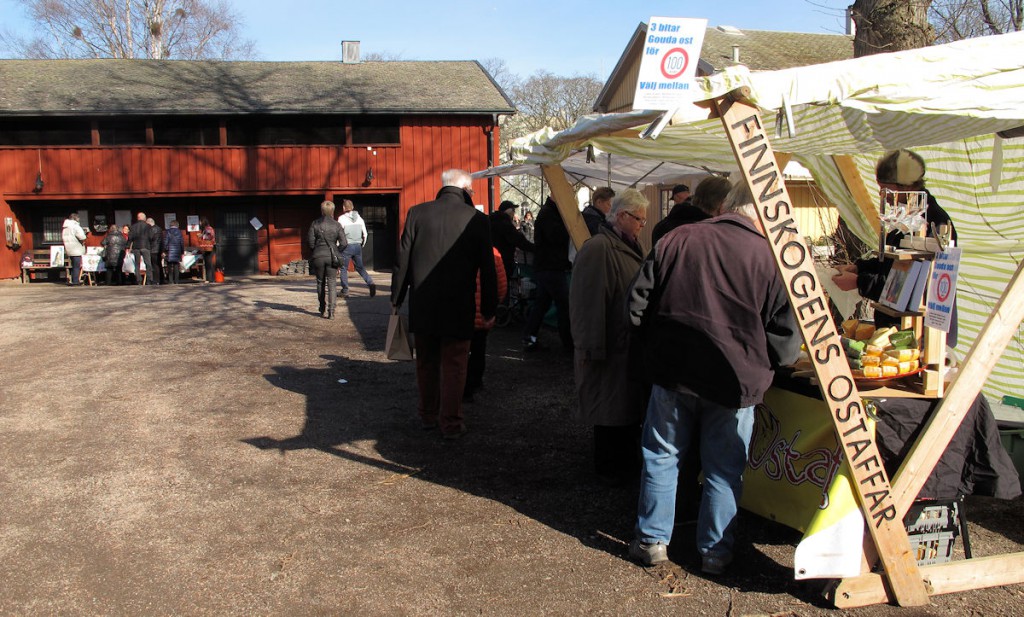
(456, 177)
(151, 221)
(327, 208)
(629, 200)
(710, 193)
(740, 201)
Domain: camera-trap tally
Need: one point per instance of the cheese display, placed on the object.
(885, 353)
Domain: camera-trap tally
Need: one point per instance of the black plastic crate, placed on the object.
(932, 528)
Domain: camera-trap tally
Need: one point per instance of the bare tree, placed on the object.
(955, 20)
(891, 25)
(500, 73)
(382, 56)
(157, 29)
(542, 100)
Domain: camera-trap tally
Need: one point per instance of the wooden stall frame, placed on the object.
(884, 506)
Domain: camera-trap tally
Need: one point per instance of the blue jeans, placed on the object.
(76, 270)
(354, 252)
(673, 421)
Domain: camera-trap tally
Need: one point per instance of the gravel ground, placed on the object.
(220, 449)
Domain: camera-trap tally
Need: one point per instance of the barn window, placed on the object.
(44, 132)
(185, 132)
(52, 228)
(122, 132)
(375, 130)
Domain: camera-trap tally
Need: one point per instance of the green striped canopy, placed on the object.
(946, 102)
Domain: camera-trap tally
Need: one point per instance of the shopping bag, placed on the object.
(129, 263)
(398, 345)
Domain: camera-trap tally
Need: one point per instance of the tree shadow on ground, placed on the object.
(522, 449)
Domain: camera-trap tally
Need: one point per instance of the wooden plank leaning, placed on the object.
(855, 184)
(792, 256)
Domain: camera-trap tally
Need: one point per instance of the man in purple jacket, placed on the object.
(717, 321)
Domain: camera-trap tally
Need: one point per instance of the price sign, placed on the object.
(669, 64)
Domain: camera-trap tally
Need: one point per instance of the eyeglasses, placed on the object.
(636, 218)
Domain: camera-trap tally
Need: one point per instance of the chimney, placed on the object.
(851, 26)
(736, 53)
(350, 52)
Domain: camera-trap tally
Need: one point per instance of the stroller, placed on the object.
(521, 293)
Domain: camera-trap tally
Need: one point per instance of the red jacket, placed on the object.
(499, 267)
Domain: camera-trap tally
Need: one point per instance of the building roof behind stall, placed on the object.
(158, 87)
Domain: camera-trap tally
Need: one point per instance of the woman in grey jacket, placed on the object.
(326, 238)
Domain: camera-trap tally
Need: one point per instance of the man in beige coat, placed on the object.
(608, 398)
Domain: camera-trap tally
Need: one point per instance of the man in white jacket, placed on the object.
(355, 235)
(74, 246)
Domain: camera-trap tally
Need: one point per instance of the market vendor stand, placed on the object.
(836, 119)
(883, 505)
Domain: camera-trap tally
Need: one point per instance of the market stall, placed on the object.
(959, 106)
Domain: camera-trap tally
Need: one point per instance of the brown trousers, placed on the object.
(441, 377)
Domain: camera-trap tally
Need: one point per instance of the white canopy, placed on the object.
(946, 102)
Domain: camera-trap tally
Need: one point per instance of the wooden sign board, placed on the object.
(793, 257)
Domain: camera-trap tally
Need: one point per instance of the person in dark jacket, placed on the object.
(138, 242)
(507, 238)
(326, 237)
(718, 322)
(551, 267)
(174, 246)
(445, 244)
(598, 208)
(156, 247)
(113, 244)
(901, 171)
(705, 203)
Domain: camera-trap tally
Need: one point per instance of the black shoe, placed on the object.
(323, 309)
(343, 293)
(373, 290)
(330, 313)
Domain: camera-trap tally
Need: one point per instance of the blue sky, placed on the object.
(563, 37)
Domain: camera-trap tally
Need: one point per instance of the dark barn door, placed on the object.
(237, 248)
(380, 212)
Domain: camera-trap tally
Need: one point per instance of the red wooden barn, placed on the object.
(253, 146)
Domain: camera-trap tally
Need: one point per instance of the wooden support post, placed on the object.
(568, 207)
(995, 335)
(855, 184)
(756, 160)
(941, 578)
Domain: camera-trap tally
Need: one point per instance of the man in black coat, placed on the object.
(445, 244)
(551, 267)
(138, 241)
(507, 238)
(156, 247)
(681, 213)
(594, 215)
